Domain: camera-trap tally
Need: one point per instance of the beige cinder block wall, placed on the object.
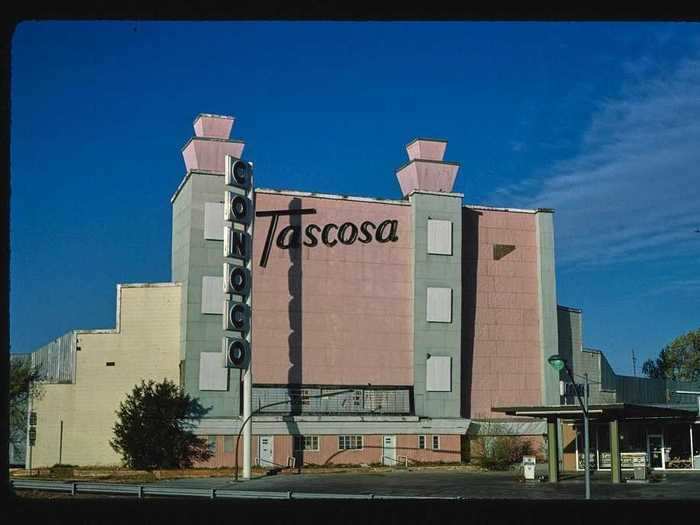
(144, 345)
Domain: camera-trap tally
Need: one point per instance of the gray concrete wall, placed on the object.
(607, 375)
(589, 361)
(570, 338)
(438, 339)
(548, 306)
(180, 254)
(195, 257)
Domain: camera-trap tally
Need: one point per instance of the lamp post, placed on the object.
(559, 363)
(257, 410)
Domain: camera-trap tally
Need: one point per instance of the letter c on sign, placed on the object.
(324, 234)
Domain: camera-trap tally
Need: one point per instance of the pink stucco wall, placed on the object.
(328, 453)
(348, 306)
(505, 367)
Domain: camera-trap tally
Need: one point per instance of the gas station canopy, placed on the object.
(617, 411)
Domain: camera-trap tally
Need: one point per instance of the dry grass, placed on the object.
(121, 475)
(124, 475)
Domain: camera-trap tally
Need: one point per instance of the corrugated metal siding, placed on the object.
(645, 390)
(56, 360)
(358, 401)
(688, 386)
(640, 390)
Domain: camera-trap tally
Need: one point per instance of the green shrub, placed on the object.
(154, 428)
(501, 452)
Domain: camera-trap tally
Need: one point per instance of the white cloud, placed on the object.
(688, 286)
(633, 191)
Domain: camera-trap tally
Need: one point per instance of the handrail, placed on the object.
(396, 460)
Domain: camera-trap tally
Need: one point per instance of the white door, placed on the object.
(389, 450)
(655, 451)
(266, 451)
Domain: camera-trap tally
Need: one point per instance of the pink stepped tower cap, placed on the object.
(426, 170)
(207, 149)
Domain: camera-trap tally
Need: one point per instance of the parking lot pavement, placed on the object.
(450, 483)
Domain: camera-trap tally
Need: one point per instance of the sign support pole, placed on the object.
(248, 372)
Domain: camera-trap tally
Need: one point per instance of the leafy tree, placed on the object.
(154, 428)
(24, 382)
(679, 360)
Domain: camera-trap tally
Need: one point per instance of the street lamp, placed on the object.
(259, 409)
(559, 364)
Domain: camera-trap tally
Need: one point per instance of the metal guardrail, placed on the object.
(141, 491)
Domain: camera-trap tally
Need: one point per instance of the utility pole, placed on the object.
(634, 363)
(586, 435)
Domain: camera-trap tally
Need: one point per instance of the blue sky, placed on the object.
(600, 121)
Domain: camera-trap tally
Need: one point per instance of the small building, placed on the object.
(87, 374)
(633, 420)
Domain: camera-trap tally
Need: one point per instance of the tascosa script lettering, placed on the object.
(331, 234)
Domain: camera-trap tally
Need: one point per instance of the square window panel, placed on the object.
(439, 237)
(439, 305)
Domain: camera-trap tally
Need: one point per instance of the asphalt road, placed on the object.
(488, 485)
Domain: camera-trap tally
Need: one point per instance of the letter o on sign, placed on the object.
(239, 280)
(343, 235)
(239, 318)
(237, 353)
(239, 208)
(241, 173)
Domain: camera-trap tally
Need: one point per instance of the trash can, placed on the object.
(529, 467)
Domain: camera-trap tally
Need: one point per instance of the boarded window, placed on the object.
(439, 305)
(213, 295)
(229, 444)
(439, 237)
(214, 221)
(438, 374)
(212, 373)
